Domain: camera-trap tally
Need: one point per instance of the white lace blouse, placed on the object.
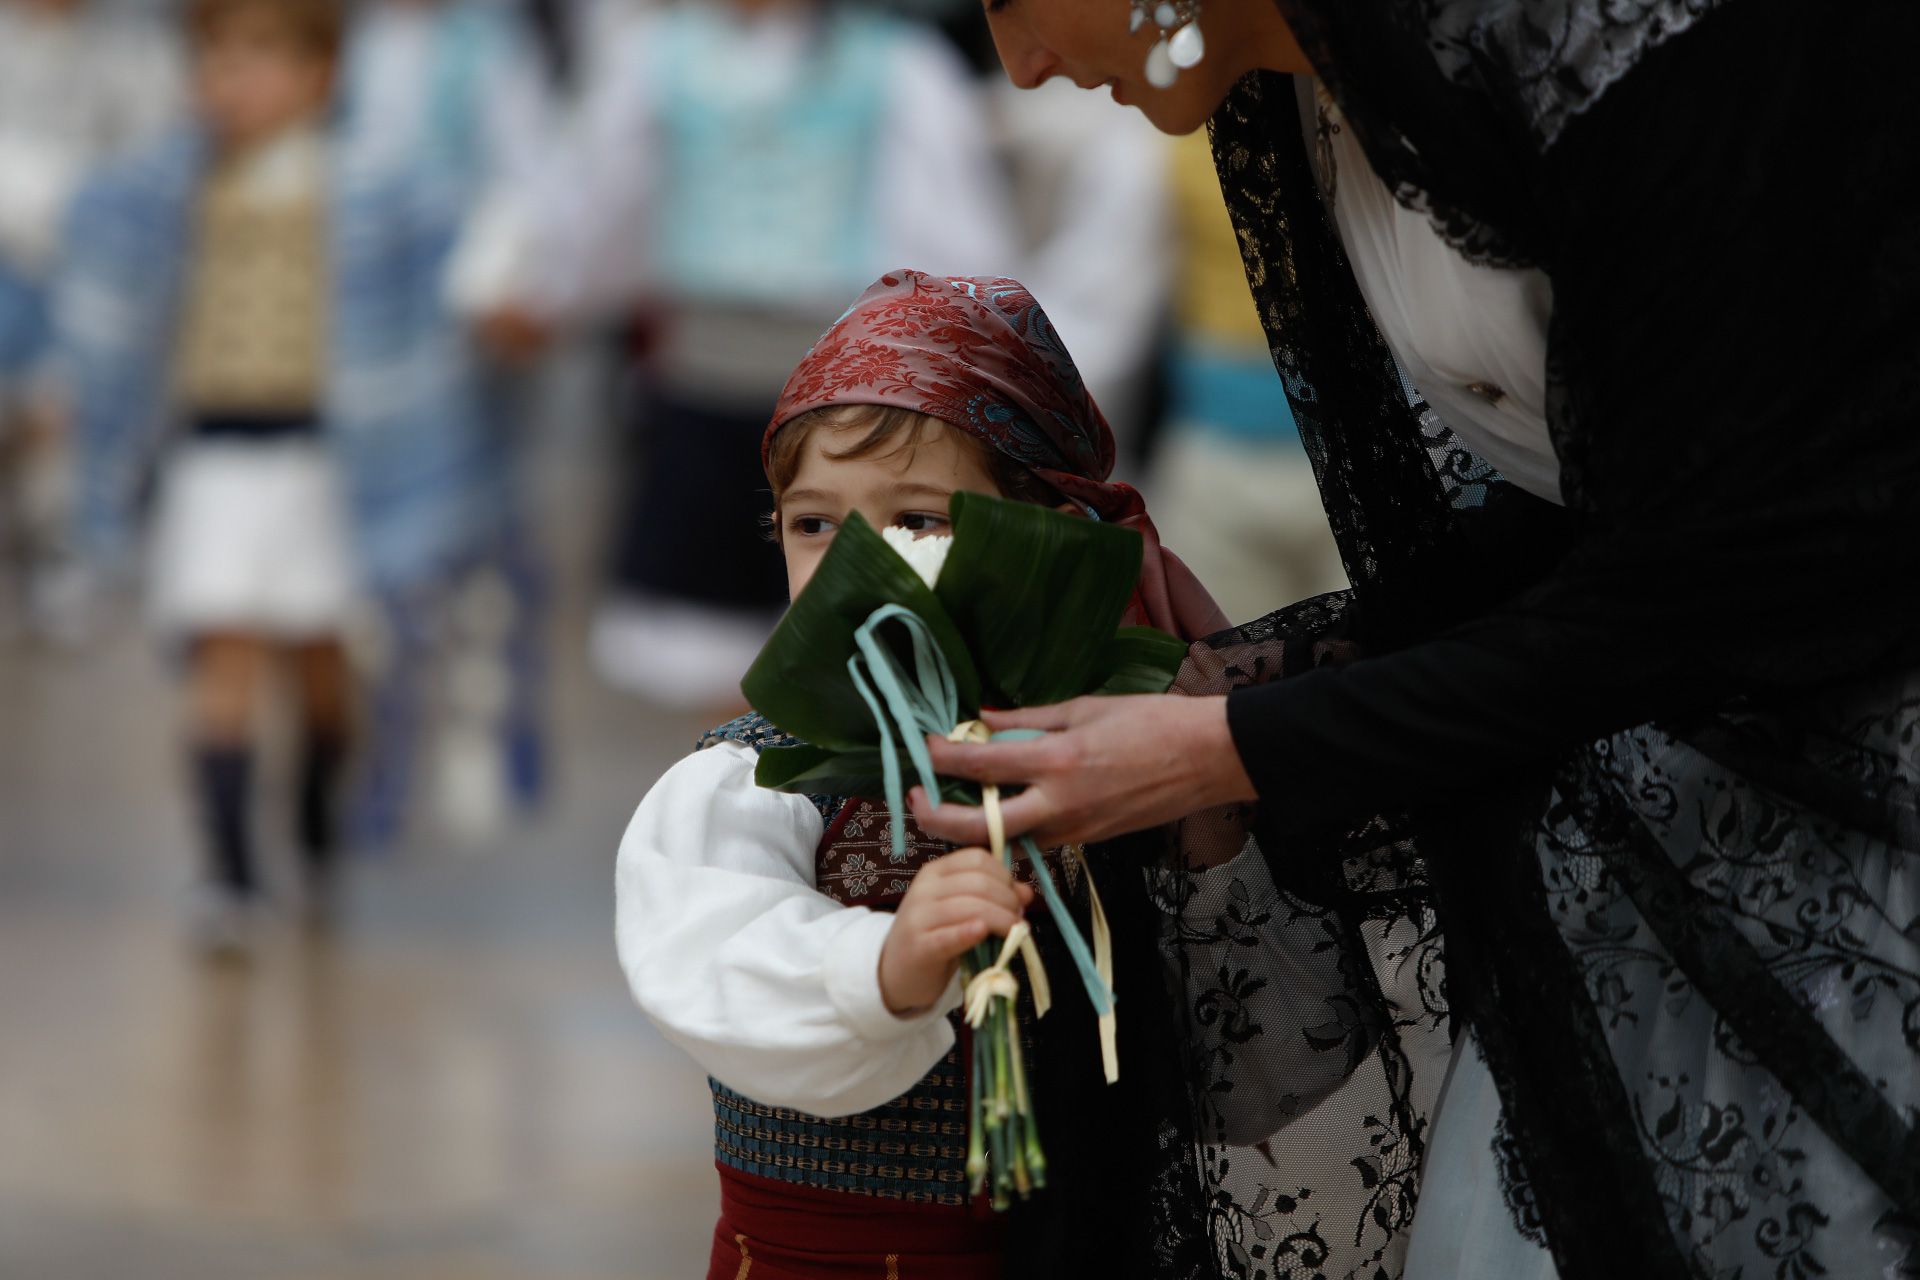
(1472, 339)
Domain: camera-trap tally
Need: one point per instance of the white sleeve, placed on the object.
(1240, 928)
(520, 111)
(39, 182)
(565, 237)
(133, 92)
(946, 208)
(772, 986)
(495, 254)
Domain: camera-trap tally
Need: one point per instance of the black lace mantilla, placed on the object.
(1678, 884)
(1544, 62)
(1316, 1006)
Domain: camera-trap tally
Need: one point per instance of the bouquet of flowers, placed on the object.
(896, 638)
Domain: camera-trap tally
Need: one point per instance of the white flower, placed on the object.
(926, 553)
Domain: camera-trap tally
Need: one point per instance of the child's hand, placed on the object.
(954, 902)
(514, 337)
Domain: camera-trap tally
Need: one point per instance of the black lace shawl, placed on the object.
(1658, 750)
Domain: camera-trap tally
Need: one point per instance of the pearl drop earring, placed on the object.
(1180, 46)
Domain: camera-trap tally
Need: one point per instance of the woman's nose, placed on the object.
(1029, 63)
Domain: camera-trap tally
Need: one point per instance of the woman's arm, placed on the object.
(566, 242)
(770, 985)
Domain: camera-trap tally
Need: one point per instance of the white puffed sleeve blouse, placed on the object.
(739, 959)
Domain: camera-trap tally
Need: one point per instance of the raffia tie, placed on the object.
(997, 980)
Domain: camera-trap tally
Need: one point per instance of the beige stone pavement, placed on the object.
(452, 1086)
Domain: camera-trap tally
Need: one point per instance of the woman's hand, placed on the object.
(953, 903)
(1107, 766)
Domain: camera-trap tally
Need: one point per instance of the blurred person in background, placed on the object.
(252, 557)
(1231, 480)
(448, 102)
(738, 169)
(243, 300)
(79, 81)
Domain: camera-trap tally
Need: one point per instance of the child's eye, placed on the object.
(810, 526)
(921, 521)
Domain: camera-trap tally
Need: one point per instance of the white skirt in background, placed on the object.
(252, 536)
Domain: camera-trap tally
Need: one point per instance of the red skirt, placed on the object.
(772, 1230)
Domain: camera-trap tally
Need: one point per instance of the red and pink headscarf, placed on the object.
(979, 353)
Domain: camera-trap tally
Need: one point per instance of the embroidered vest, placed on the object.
(913, 1148)
(252, 335)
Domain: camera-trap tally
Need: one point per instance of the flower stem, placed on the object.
(976, 1128)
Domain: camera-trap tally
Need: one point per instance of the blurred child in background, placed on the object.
(79, 82)
(243, 296)
(448, 101)
(740, 167)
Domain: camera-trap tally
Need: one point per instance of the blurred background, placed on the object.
(380, 513)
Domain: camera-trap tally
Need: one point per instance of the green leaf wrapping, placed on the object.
(868, 661)
(817, 771)
(1141, 660)
(1025, 614)
(800, 679)
(1037, 595)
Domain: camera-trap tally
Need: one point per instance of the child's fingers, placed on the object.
(951, 940)
(997, 916)
(974, 870)
(974, 859)
(996, 885)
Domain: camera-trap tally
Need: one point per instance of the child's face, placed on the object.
(254, 79)
(909, 487)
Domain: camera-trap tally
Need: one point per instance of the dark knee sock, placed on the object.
(323, 759)
(225, 777)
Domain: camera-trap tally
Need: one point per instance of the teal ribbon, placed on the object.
(906, 710)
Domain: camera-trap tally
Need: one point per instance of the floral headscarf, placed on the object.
(978, 353)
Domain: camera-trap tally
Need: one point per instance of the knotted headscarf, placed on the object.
(978, 353)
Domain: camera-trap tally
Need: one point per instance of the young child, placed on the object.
(773, 936)
(267, 317)
(448, 99)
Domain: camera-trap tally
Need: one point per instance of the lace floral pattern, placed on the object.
(1740, 1165)
(1547, 60)
(1317, 1032)
(1559, 56)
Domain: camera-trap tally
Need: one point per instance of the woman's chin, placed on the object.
(1169, 111)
